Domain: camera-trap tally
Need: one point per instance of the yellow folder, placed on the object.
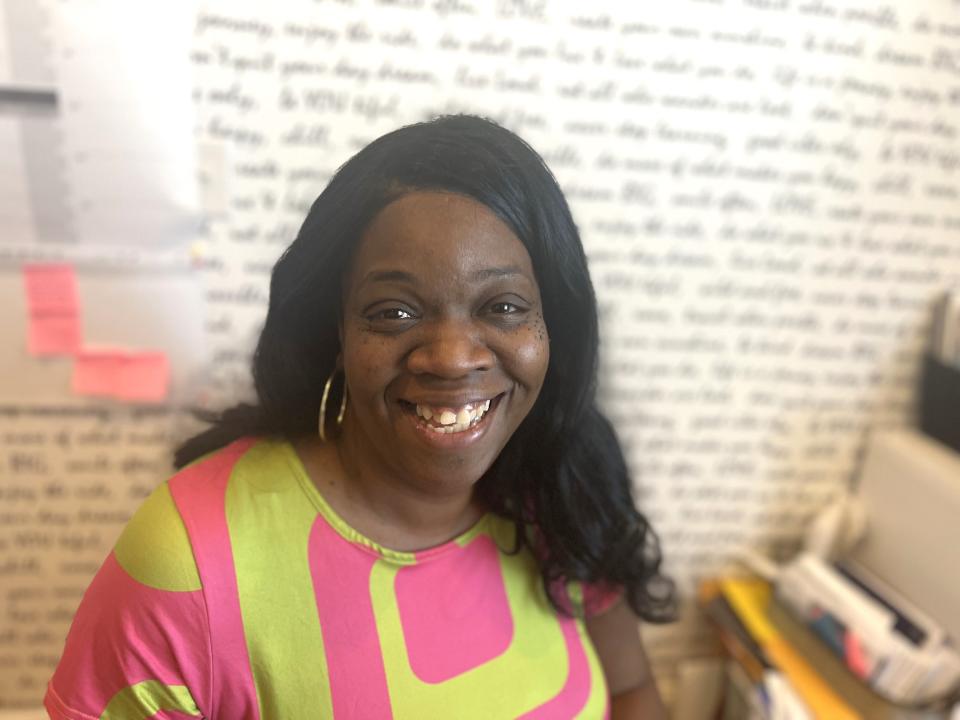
(749, 599)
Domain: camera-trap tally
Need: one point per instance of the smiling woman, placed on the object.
(424, 515)
(444, 347)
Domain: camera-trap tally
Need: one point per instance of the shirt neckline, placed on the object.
(352, 535)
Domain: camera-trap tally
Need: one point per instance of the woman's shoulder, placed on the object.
(221, 460)
(154, 548)
(250, 464)
(158, 546)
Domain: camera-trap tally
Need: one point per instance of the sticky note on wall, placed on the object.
(53, 309)
(51, 289)
(131, 376)
(144, 377)
(95, 372)
(53, 334)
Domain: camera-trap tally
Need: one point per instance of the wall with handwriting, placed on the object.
(769, 196)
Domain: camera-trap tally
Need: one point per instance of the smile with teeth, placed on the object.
(452, 420)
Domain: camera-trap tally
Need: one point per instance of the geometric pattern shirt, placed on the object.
(237, 592)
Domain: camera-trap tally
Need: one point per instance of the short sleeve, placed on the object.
(574, 597)
(139, 644)
(600, 597)
(585, 600)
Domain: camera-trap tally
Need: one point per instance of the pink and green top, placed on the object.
(237, 592)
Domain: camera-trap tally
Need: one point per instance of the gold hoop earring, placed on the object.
(322, 424)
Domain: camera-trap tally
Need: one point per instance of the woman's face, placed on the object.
(444, 344)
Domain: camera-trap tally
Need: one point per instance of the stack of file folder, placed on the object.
(781, 668)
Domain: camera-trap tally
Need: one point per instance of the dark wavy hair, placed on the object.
(563, 471)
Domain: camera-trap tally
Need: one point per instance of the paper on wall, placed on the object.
(54, 334)
(132, 376)
(53, 309)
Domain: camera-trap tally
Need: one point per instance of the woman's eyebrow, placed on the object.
(389, 276)
(495, 273)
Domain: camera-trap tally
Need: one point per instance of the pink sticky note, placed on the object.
(95, 372)
(133, 376)
(53, 334)
(51, 289)
(144, 376)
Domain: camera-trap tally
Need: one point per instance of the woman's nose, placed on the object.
(451, 348)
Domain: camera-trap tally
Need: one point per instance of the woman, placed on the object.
(424, 516)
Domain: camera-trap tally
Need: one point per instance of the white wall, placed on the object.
(767, 192)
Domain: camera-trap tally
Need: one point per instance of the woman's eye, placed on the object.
(394, 313)
(503, 308)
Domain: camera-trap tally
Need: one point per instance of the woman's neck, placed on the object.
(394, 513)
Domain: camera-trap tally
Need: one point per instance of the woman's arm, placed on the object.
(616, 637)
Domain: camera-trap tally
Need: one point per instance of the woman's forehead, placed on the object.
(428, 229)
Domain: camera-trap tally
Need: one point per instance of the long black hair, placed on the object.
(563, 471)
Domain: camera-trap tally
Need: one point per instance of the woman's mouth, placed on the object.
(446, 420)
